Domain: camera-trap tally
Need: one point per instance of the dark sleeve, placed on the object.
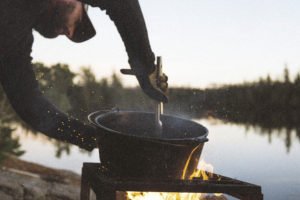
(129, 20)
(19, 83)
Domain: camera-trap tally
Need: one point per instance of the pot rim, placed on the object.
(179, 141)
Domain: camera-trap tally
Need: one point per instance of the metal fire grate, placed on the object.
(105, 186)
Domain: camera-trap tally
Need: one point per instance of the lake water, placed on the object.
(271, 160)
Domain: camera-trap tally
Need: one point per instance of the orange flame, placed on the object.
(204, 171)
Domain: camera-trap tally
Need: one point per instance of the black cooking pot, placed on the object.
(129, 147)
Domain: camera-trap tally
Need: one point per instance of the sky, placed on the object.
(202, 42)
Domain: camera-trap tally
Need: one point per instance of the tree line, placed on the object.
(267, 103)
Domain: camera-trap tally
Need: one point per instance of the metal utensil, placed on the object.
(159, 105)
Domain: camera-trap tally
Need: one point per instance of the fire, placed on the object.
(164, 196)
(204, 171)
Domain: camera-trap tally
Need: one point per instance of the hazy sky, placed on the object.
(202, 42)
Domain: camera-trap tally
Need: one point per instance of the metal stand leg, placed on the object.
(85, 186)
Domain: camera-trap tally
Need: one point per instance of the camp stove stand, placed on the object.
(105, 186)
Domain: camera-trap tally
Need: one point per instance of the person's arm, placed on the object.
(129, 20)
(19, 83)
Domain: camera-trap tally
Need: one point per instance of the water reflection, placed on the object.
(60, 148)
(271, 127)
(17, 140)
(8, 144)
(274, 125)
(49, 152)
(245, 153)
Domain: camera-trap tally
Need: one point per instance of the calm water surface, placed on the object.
(271, 160)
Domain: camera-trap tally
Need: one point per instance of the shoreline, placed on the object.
(23, 180)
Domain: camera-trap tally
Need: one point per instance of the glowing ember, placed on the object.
(204, 171)
(172, 196)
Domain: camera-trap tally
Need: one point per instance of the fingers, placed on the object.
(162, 83)
(155, 94)
(163, 86)
(151, 91)
(163, 78)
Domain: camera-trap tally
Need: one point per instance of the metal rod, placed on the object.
(159, 105)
